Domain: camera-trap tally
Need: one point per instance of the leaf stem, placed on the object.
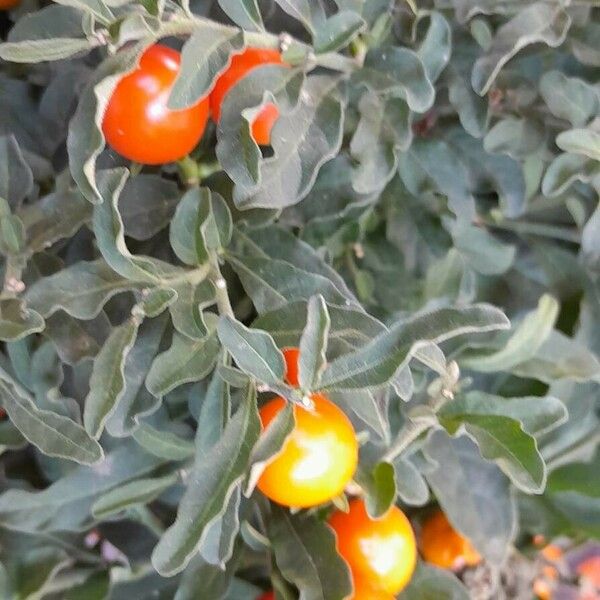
(537, 229)
(189, 171)
(13, 284)
(215, 275)
(406, 436)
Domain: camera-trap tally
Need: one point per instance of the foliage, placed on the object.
(425, 227)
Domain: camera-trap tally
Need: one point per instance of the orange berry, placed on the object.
(291, 356)
(382, 552)
(443, 546)
(317, 460)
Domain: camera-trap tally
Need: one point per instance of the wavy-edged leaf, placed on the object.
(524, 341)
(379, 485)
(287, 177)
(313, 343)
(470, 489)
(205, 55)
(305, 552)
(110, 234)
(502, 439)
(539, 22)
(376, 363)
(185, 361)
(392, 69)
(209, 488)
(17, 320)
(585, 142)
(431, 582)
(565, 170)
(253, 350)
(53, 434)
(136, 401)
(134, 493)
(16, 178)
(164, 444)
(107, 383)
(338, 31)
(66, 504)
(244, 13)
(81, 290)
(85, 140)
(569, 98)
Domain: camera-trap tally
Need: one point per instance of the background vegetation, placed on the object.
(427, 216)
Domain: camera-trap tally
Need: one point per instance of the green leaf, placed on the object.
(523, 343)
(238, 153)
(305, 552)
(380, 486)
(215, 475)
(287, 177)
(107, 383)
(201, 579)
(54, 217)
(85, 140)
(52, 33)
(147, 204)
(110, 234)
(338, 31)
(186, 312)
(543, 22)
(65, 505)
(185, 361)
(569, 98)
(435, 49)
(81, 290)
(430, 582)
(308, 13)
(138, 492)
(272, 283)
(565, 170)
(470, 489)
(53, 434)
(254, 351)
(537, 414)
(410, 483)
(269, 445)
(432, 166)
(482, 251)
(98, 8)
(503, 439)
(378, 362)
(384, 129)
(313, 344)
(17, 320)
(576, 477)
(473, 111)
(244, 13)
(205, 55)
(163, 444)
(519, 138)
(585, 142)
(136, 401)
(399, 71)
(16, 178)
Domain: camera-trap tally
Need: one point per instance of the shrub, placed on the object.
(423, 226)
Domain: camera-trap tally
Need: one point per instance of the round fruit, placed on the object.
(9, 4)
(267, 596)
(292, 356)
(363, 590)
(137, 122)
(381, 551)
(443, 546)
(241, 65)
(317, 460)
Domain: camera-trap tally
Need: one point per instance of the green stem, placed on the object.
(149, 519)
(406, 436)
(189, 171)
(223, 302)
(554, 232)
